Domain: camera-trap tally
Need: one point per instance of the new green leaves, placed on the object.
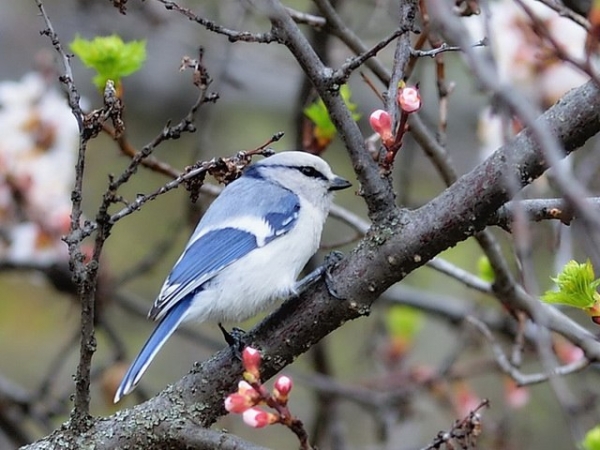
(576, 287)
(110, 57)
(324, 129)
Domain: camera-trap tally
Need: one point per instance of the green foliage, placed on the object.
(486, 272)
(317, 113)
(576, 286)
(404, 322)
(110, 57)
(592, 439)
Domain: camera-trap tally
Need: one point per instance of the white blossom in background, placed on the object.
(525, 60)
(529, 63)
(38, 149)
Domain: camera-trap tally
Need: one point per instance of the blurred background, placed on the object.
(259, 87)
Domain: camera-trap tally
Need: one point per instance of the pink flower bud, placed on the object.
(245, 397)
(281, 389)
(244, 388)
(409, 99)
(381, 122)
(247, 390)
(238, 403)
(283, 385)
(251, 360)
(257, 418)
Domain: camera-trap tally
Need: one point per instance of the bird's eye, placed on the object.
(310, 172)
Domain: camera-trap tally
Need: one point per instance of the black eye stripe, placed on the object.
(255, 171)
(311, 172)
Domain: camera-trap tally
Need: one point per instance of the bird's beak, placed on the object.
(338, 183)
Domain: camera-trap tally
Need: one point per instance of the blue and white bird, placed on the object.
(246, 251)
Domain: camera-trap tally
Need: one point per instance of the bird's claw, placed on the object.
(323, 271)
(331, 261)
(236, 339)
(333, 258)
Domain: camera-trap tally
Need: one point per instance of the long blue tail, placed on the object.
(159, 336)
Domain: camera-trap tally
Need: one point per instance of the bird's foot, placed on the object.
(331, 260)
(236, 339)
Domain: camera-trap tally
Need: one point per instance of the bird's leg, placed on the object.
(235, 339)
(331, 260)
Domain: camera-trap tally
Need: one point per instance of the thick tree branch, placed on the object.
(389, 251)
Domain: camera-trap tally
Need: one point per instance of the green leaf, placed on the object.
(352, 107)
(486, 272)
(576, 286)
(318, 114)
(404, 322)
(110, 57)
(592, 439)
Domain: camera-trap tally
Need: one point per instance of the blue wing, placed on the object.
(207, 255)
(201, 260)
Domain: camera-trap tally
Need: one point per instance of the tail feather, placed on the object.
(159, 336)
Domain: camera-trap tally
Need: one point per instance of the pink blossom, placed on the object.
(409, 99)
(381, 122)
(257, 418)
(251, 359)
(237, 403)
(283, 385)
(244, 388)
(245, 397)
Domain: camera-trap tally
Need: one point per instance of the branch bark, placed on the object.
(393, 247)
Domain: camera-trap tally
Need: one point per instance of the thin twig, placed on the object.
(520, 378)
(232, 35)
(444, 47)
(86, 285)
(343, 73)
(562, 10)
(150, 162)
(460, 275)
(186, 124)
(541, 29)
(306, 18)
(465, 428)
(202, 168)
(339, 29)
(407, 11)
(537, 210)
